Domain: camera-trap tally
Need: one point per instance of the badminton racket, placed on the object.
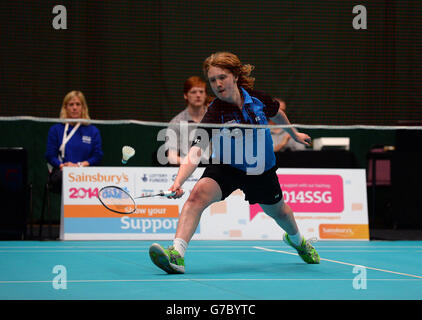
(120, 201)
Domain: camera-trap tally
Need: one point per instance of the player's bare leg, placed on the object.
(205, 192)
(283, 216)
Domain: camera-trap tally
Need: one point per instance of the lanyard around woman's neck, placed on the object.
(66, 137)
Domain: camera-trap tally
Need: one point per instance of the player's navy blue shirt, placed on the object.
(256, 109)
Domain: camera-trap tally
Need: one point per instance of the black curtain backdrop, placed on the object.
(130, 58)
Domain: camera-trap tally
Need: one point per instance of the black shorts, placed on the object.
(263, 188)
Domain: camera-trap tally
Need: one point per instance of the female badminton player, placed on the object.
(236, 102)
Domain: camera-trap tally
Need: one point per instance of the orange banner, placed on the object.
(142, 211)
(344, 231)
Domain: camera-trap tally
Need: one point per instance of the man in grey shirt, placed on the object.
(181, 136)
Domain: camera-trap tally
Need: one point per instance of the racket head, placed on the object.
(116, 200)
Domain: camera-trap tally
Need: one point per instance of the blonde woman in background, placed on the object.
(72, 144)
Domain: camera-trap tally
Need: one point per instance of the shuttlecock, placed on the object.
(127, 153)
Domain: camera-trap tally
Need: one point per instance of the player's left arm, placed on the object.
(273, 112)
(281, 118)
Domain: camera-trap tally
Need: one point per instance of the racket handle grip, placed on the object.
(168, 193)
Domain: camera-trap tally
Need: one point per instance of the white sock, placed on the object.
(296, 239)
(180, 245)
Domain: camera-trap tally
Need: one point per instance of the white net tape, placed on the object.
(205, 125)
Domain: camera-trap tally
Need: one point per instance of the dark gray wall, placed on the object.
(130, 58)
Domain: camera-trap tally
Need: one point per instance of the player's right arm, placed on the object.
(173, 157)
(190, 162)
(187, 167)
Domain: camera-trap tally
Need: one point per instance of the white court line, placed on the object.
(190, 279)
(345, 263)
(91, 250)
(191, 250)
(193, 246)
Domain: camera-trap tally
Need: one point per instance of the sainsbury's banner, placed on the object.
(327, 204)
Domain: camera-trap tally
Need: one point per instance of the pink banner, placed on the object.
(310, 193)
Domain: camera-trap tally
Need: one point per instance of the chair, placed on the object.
(379, 167)
(379, 182)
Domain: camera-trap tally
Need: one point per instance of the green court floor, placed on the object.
(215, 270)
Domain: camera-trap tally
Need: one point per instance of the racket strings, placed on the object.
(117, 200)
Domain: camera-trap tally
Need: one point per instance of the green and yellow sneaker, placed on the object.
(306, 251)
(168, 260)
